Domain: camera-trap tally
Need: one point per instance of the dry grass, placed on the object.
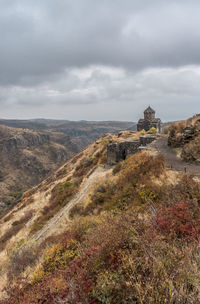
(15, 228)
(40, 196)
(129, 254)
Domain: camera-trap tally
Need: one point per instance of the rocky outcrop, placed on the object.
(178, 138)
(24, 141)
(186, 136)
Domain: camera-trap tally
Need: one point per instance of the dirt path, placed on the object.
(82, 195)
(172, 160)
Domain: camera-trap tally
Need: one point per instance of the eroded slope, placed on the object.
(26, 157)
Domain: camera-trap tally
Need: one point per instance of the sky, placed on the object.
(99, 59)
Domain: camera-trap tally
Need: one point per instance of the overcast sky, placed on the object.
(99, 59)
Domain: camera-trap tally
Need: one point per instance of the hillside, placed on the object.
(185, 136)
(27, 156)
(91, 233)
(32, 149)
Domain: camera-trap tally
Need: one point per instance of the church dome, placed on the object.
(149, 110)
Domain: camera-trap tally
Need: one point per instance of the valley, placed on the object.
(31, 150)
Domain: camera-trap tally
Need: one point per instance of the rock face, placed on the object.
(26, 157)
(119, 151)
(186, 136)
(26, 141)
(178, 138)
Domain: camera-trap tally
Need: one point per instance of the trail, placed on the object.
(172, 160)
(95, 175)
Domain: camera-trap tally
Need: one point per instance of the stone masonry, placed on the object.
(149, 121)
(119, 151)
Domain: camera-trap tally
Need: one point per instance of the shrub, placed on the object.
(165, 130)
(1, 176)
(75, 210)
(76, 157)
(20, 259)
(16, 227)
(133, 186)
(152, 131)
(24, 219)
(181, 220)
(117, 168)
(145, 250)
(85, 166)
(124, 264)
(143, 132)
(8, 217)
(57, 256)
(61, 195)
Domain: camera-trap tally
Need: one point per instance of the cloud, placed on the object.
(45, 37)
(99, 92)
(98, 55)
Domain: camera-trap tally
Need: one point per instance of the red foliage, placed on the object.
(181, 220)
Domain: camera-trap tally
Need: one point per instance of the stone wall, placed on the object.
(147, 125)
(120, 150)
(24, 141)
(146, 139)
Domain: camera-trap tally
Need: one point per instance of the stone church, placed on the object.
(149, 121)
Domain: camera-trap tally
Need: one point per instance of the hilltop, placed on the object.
(92, 233)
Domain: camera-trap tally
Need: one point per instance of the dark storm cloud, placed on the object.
(40, 38)
(75, 58)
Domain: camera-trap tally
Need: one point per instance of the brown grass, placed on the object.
(16, 227)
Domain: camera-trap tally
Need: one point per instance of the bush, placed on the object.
(181, 220)
(152, 131)
(117, 168)
(61, 195)
(143, 132)
(165, 130)
(145, 249)
(20, 259)
(16, 227)
(76, 157)
(127, 189)
(124, 264)
(85, 166)
(1, 176)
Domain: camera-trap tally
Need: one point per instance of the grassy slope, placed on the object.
(136, 240)
(24, 166)
(40, 204)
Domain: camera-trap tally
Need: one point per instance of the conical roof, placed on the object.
(149, 110)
